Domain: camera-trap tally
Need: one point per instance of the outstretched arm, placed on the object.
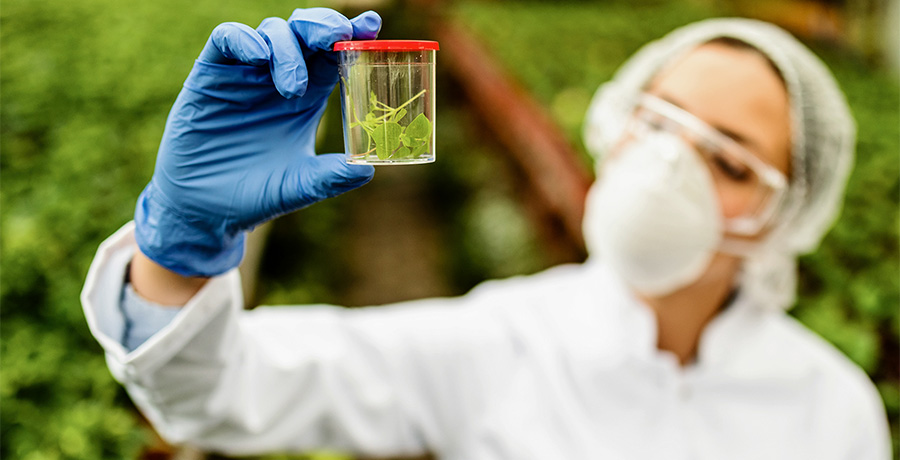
(160, 285)
(384, 381)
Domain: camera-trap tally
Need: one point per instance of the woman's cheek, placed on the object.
(733, 203)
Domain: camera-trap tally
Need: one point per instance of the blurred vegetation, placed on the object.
(86, 87)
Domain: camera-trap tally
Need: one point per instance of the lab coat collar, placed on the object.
(734, 341)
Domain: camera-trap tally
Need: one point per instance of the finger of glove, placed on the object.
(286, 63)
(366, 26)
(319, 177)
(319, 28)
(232, 41)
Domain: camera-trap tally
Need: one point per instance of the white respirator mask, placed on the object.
(653, 215)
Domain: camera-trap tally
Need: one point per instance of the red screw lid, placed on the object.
(386, 45)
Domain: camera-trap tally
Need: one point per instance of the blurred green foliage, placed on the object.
(86, 87)
(850, 287)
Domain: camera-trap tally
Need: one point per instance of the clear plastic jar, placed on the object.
(387, 100)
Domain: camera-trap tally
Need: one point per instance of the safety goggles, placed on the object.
(754, 189)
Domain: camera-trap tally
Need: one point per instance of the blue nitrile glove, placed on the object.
(238, 148)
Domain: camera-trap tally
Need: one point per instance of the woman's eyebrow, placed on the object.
(740, 139)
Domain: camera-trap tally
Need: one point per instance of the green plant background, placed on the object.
(86, 87)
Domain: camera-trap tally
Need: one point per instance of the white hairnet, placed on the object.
(823, 140)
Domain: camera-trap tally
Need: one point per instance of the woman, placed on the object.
(725, 147)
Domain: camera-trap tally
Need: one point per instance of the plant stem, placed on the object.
(393, 111)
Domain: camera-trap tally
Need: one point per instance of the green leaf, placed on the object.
(419, 150)
(392, 134)
(397, 116)
(401, 152)
(419, 128)
(387, 139)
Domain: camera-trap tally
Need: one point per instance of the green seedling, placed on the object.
(393, 140)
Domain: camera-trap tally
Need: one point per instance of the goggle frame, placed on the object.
(769, 175)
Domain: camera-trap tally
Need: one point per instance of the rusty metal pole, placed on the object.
(531, 139)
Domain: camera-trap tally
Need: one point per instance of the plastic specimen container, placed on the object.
(387, 100)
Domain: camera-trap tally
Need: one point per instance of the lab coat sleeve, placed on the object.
(391, 380)
(865, 425)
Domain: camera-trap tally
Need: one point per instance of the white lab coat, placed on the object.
(558, 365)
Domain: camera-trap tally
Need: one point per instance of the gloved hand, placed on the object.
(238, 147)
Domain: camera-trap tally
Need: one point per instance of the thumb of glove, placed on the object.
(313, 179)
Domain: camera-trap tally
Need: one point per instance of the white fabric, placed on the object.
(823, 139)
(559, 365)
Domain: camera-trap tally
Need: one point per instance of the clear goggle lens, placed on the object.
(754, 189)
